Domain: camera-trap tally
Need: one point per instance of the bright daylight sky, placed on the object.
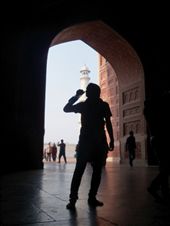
(63, 79)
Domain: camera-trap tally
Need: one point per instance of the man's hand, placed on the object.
(79, 93)
(111, 145)
(73, 99)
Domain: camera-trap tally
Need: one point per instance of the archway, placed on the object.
(124, 64)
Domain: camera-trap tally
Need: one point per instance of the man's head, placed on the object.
(93, 91)
(131, 133)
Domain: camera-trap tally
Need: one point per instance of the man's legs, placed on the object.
(164, 173)
(95, 182)
(131, 157)
(64, 156)
(75, 183)
(155, 186)
(59, 157)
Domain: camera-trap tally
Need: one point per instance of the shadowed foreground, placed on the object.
(39, 198)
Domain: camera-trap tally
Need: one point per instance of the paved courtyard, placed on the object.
(39, 198)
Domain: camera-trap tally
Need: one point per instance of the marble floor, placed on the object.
(39, 198)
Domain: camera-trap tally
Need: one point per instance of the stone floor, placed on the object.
(39, 198)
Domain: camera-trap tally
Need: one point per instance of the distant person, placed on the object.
(157, 115)
(131, 147)
(62, 151)
(95, 118)
(45, 154)
(48, 152)
(54, 152)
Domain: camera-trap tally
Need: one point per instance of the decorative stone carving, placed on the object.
(130, 95)
(131, 111)
(133, 125)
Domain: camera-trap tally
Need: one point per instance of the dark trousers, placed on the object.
(64, 156)
(131, 157)
(161, 181)
(77, 176)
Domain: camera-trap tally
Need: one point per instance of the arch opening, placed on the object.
(121, 78)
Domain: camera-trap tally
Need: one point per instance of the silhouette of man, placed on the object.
(54, 152)
(62, 151)
(131, 147)
(157, 115)
(95, 115)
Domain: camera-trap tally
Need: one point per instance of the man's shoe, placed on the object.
(94, 202)
(71, 206)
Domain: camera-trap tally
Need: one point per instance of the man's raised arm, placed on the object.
(69, 107)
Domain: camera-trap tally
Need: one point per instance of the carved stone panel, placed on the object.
(131, 95)
(131, 111)
(132, 125)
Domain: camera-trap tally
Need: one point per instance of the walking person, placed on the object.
(92, 145)
(131, 147)
(157, 115)
(54, 152)
(62, 151)
(49, 151)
